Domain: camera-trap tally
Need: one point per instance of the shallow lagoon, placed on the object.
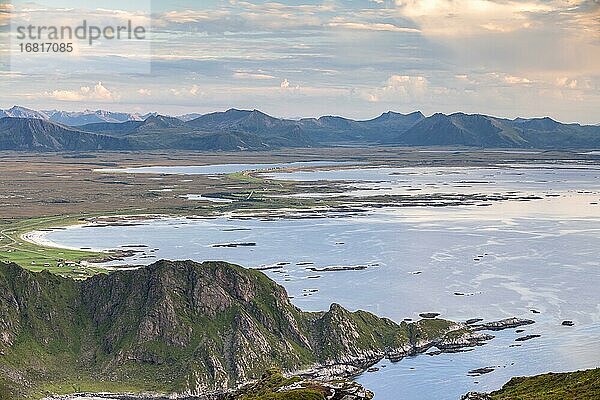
(490, 262)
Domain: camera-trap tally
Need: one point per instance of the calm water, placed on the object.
(216, 169)
(504, 260)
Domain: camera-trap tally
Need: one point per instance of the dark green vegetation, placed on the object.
(180, 326)
(579, 385)
(236, 130)
(37, 258)
(273, 385)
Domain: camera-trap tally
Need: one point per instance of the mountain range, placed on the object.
(236, 130)
(72, 118)
(188, 328)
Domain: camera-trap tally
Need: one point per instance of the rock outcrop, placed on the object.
(188, 328)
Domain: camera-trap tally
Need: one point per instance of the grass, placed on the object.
(40, 258)
(580, 385)
(245, 176)
(267, 388)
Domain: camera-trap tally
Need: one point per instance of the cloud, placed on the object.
(192, 91)
(191, 16)
(370, 26)
(195, 90)
(286, 85)
(5, 13)
(144, 92)
(400, 87)
(247, 17)
(241, 16)
(98, 93)
(516, 80)
(252, 75)
(467, 17)
(566, 83)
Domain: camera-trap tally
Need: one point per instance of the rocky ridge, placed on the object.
(187, 328)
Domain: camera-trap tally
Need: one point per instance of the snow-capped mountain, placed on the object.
(22, 112)
(71, 118)
(78, 118)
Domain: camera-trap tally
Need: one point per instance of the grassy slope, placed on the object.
(33, 257)
(271, 382)
(580, 385)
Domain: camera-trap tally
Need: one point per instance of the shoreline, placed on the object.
(349, 370)
(38, 238)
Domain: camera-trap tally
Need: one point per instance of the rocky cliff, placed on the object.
(184, 327)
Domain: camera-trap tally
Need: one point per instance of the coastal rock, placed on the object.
(502, 324)
(481, 371)
(476, 396)
(473, 321)
(526, 337)
(232, 245)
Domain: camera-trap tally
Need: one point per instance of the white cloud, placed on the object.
(192, 91)
(400, 87)
(191, 16)
(5, 12)
(516, 80)
(97, 93)
(241, 15)
(566, 83)
(144, 92)
(370, 26)
(286, 85)
(252, 75)
(466, 17)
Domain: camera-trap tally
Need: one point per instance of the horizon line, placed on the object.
(149, 113)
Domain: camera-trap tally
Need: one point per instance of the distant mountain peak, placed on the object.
(24, 112)
(388, 115)
(159, 122)
(80, 118)
(34, 134)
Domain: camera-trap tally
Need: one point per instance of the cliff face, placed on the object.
(182, 327)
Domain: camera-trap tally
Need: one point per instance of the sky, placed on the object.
(295, 59)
